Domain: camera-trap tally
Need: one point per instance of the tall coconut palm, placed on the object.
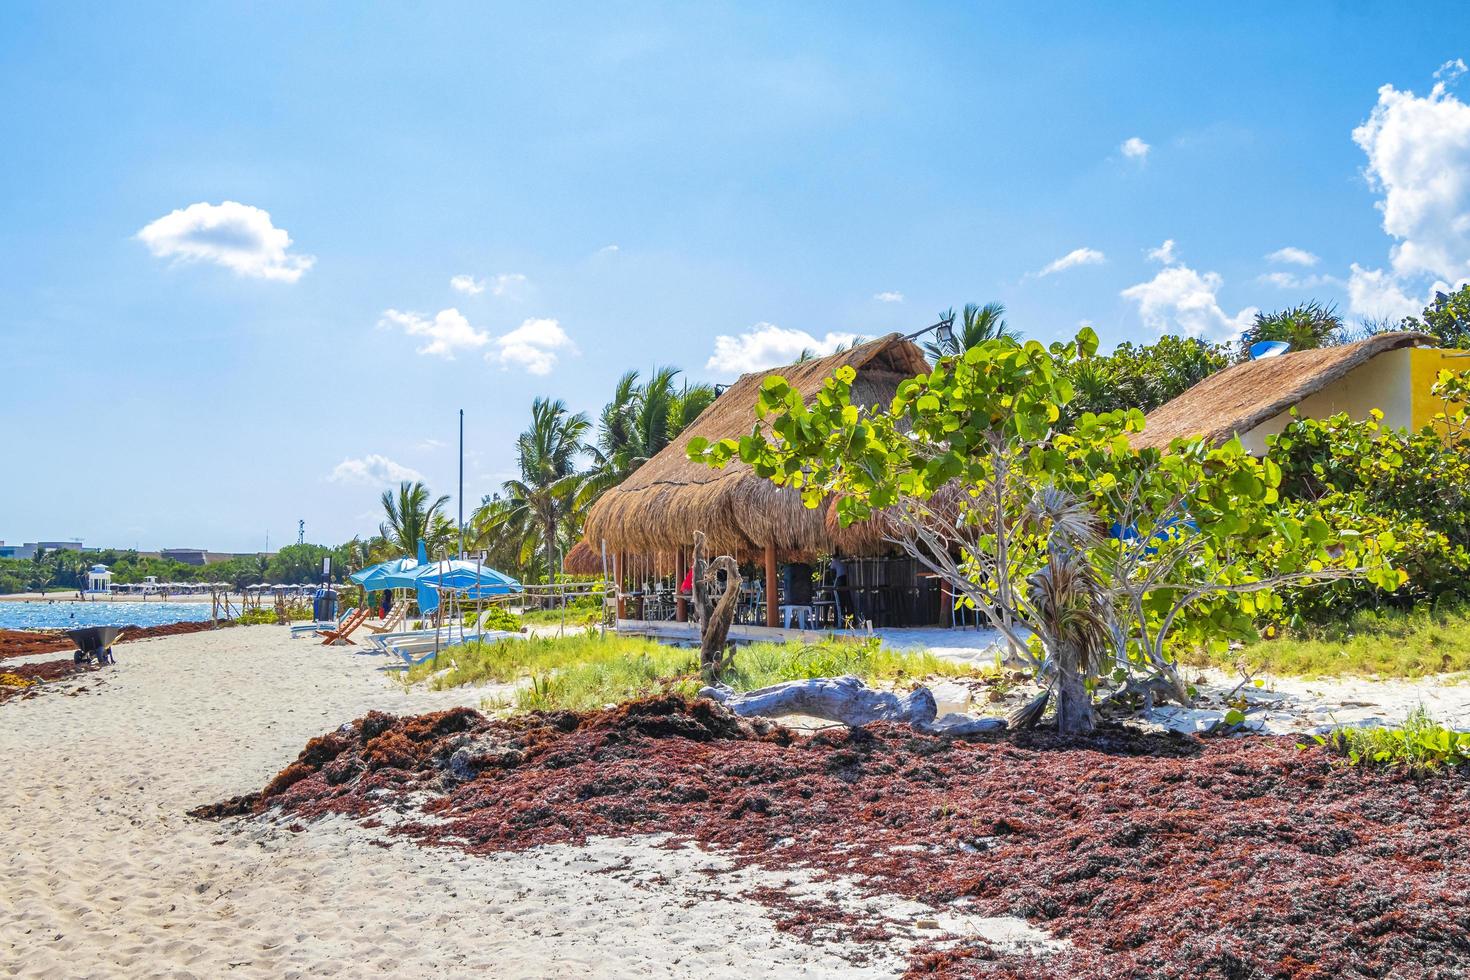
(411, 519)
(535, 506)
(637, 424)
(977, 325)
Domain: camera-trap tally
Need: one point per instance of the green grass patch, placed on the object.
(577, 614)
(589, 670)
(1422, 746)
(1386, 643)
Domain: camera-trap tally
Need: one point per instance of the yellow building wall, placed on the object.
(1424, 366)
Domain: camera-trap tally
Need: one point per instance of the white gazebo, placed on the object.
(99, 578)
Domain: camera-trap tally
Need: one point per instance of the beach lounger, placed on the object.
(348, 627)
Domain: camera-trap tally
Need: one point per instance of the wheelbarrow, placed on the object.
(94, 643)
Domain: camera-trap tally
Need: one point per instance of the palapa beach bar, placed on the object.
(644, 529)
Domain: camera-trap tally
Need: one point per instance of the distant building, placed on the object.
(186, 556)
(99, 578)
(29, 549)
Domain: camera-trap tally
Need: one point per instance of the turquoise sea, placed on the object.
(61, 615)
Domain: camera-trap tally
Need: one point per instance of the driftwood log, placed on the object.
(716, 628)
(848, 701)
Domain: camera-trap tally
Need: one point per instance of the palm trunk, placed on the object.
(1074, 701)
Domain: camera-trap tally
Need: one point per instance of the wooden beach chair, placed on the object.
(392, 621)
(348, 627)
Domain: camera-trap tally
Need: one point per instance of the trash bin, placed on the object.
(324, 606)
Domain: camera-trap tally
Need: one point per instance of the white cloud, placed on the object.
(889, 296)
(766, 345)
(1378, 294)
(1135, 149)
(1164, 253)
(1451, 70)
(1291, 255)
(1419, 159)
(1179, 299)
(608, 250)
(1076, 257)
(236, 236)
(431, 445)
(374, 470)
(1291, 280)
(507, 283)
(448, 332)
(534, 346)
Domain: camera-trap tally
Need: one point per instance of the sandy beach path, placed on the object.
(104, 875)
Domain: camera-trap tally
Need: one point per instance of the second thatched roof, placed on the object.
(1241, 397)
(668, 498)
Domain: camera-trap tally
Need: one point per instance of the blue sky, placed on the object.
(622, 185)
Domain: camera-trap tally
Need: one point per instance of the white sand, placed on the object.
(104, 875)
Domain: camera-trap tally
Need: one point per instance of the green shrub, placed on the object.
(256, 617)
(496, 618)
(1421, 746)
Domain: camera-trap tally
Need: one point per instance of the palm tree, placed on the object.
(411, 519)
(637, 424)
(977, 325)
(535, 506)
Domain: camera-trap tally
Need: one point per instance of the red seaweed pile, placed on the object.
(29, 680)
(1154, 855)
(19, 643)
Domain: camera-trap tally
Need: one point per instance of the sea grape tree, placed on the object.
(1097, 561)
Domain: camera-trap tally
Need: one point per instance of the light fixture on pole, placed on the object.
(943, 331)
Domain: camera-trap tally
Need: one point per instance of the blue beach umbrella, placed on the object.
(377, 577)
(475, 581)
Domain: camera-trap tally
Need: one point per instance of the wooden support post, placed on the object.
(620, 561)
(773, 590)
(681, 561)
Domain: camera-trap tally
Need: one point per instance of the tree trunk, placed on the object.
(700, 591)
(717, 625)
(1074, 701)
(847, 701)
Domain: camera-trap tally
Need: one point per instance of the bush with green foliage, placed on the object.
(1422, 746)
(1142, 376)
(1414, 485)
(1447, 318)
(256, 617)
(495, 618)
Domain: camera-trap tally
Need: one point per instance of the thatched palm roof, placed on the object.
(1241, 397)
(582, 559)
(668, 498)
